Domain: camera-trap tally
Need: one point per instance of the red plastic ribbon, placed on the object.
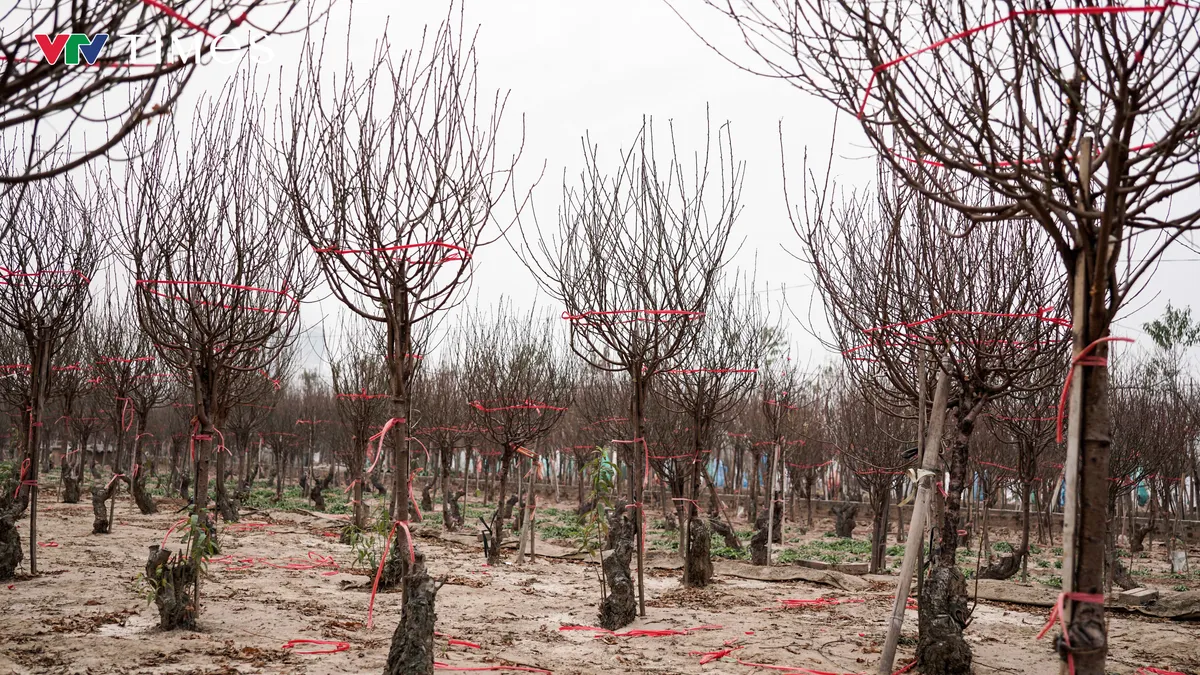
(1072, 11)
(125, 409)
(383, 559)
(1081, 359)
(380, 436)
(438, 665)
(338, 646)
(1057, 613)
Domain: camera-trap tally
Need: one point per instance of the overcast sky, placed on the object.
(598, 68)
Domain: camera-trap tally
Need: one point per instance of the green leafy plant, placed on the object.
(1180, 587)
(606, 476)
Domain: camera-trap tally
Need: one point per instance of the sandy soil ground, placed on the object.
(86, 613)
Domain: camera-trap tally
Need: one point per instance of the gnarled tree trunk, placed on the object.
(619, 609)
(412, 649)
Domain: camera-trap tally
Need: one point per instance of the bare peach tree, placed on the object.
(519, 385)
(706, 386)
(219, 274)
(394, 176)
(1080, 119)
(124, 364)
(446, 425)
(898, 288)
(132, 64)
(636, 256)
(360, 377)
(51, 252)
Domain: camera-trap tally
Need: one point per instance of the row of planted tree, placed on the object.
(383, 191)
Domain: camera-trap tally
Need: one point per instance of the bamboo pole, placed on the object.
(1075, 410)
(916, 525)
(771, 502)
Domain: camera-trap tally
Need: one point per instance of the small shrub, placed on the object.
(1052, 582)
(1002, 547)
(1180, 587)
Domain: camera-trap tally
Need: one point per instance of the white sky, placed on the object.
(597, 68)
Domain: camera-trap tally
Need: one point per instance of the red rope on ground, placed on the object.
(1081, 359)
(438, 665)
(641, 632)
(1147, 670)
(338, 646)
(709, 657)
(383, 559)
(1057, 613)
(821, 602)
(48, 544)
(456, 641)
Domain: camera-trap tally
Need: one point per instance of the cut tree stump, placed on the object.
(619, 609)
(173, 581)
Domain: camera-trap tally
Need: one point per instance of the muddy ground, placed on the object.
(87, 611)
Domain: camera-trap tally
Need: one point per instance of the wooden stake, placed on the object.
(771, 503)
(916, 525)
(1075, 410)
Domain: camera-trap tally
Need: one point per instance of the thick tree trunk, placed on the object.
(878, 562)
(501, 507)
(941, 649)
(173, 583)
(727, 533)
(137, 484)
(412, 648)
(1088, 631)
(450, 517)
(72, 478)
(758, 543)
(619, 609)
(844, 514)
(10, 542)
(698, 567)
(225, 506)
(942, 615)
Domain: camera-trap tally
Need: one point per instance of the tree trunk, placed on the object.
(878, 562)
(844, 514)
(763, 529)
(137, 484)
(449, 518)
(172, 583)
(412, 648)
(72, 478)
(10, 542)
(941, 649)
(619, 608)
(1088, 631)
(697, 562)
(225, 506)
(499, 517)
